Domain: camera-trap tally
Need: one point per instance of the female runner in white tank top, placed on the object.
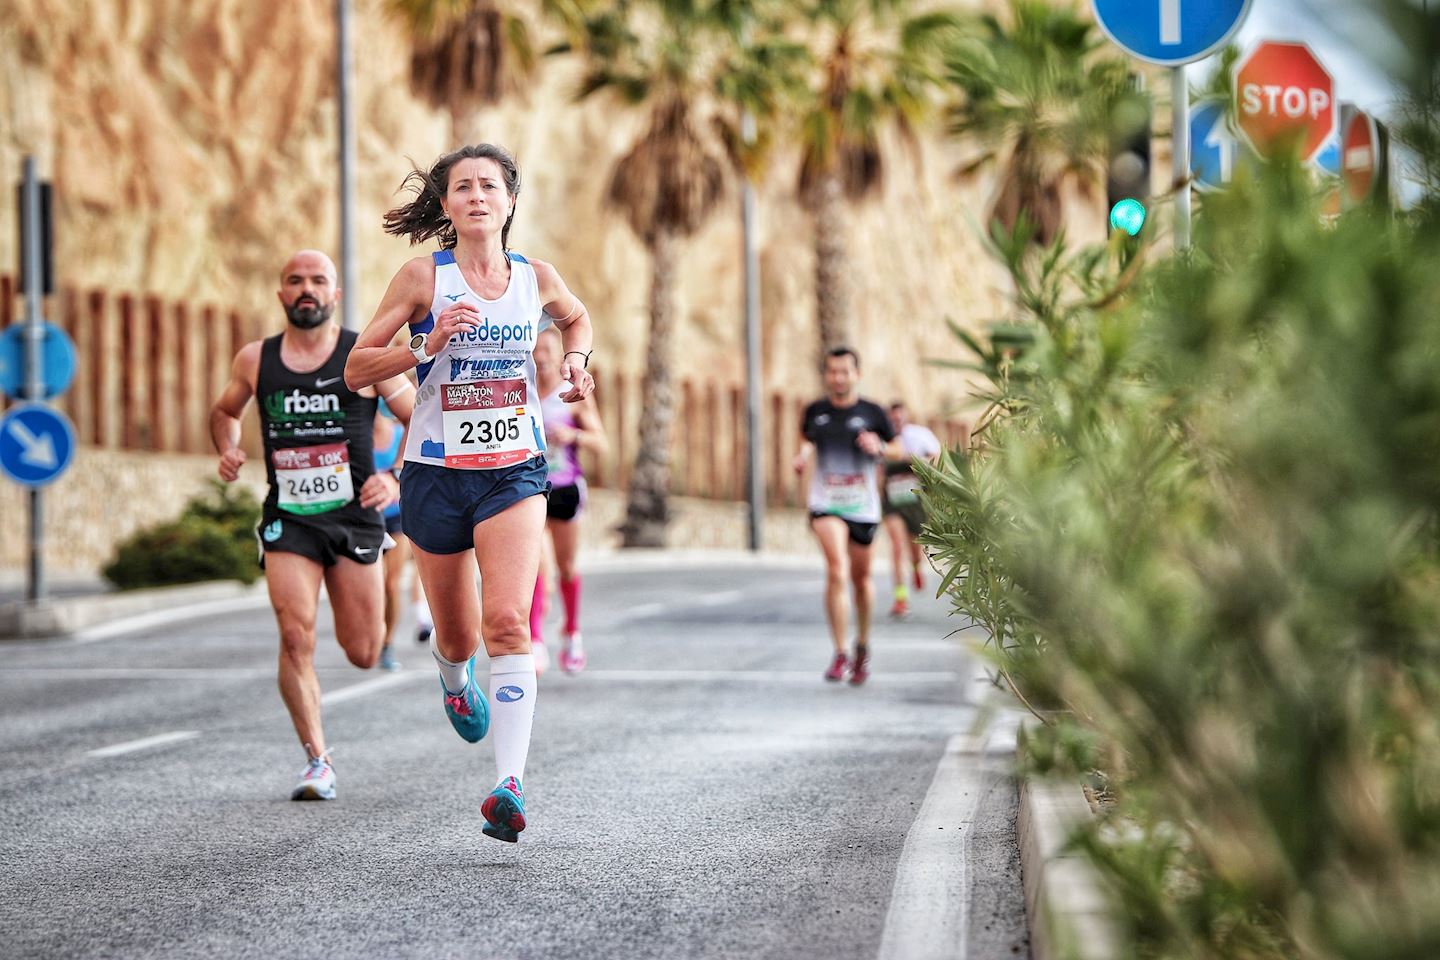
(475, 470)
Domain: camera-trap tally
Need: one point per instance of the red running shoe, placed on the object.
(900, 609)
(837, 668)
(919, 580)
(861, 671)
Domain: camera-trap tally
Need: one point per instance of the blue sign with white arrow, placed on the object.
(1170, 32)
(1212, 146)
(1328, 159)
(57, 369)
(36, 444)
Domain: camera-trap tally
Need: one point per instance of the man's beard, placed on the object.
(307, 314)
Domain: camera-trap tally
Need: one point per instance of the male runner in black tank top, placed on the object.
(321, 519)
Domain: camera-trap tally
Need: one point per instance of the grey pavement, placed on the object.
(699, 792)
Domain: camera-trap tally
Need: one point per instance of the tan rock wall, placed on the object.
(192, 148)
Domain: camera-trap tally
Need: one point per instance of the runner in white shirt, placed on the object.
(900, 503)
(475, 470)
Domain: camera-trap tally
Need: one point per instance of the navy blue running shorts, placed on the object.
(440, 506)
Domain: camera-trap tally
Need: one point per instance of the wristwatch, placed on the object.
(417, 347)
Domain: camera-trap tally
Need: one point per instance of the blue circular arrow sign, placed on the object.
(1170, 32)
(58, 368)
(1212, 146)
(36, 444)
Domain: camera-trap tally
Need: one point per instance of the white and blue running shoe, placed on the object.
(317, 780)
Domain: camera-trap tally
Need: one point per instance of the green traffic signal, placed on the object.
(1128, 215)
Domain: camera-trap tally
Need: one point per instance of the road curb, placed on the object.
(1068, 915)
(65, 618)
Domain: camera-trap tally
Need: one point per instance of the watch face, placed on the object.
(417, 341)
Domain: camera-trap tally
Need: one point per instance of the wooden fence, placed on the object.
(148, 370)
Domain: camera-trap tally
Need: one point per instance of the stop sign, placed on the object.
(1359, 153)
(1285, 99)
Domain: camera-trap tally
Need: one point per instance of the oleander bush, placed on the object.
(1200, 526)
(212, 539)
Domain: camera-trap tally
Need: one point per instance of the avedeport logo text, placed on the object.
(498, 334)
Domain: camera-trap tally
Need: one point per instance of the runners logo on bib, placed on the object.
(509, 694)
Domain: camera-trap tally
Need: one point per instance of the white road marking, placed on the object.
(721, 598)
(144, 743)
(929, 913)
(765, 676)
(139, 673)
(160, 618)
(365, 687)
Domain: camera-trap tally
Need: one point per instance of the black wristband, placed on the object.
(582, 353)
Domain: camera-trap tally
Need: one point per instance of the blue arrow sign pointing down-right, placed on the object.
(36, 444)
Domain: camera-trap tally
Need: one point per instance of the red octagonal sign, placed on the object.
(1285, 99)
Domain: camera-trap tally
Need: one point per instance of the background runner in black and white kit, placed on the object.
(843, 438)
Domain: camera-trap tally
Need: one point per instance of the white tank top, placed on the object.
(477, 407)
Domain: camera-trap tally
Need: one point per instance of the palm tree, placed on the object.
(467, 55)
(1038, 99)
(671, 59)
(876, 63)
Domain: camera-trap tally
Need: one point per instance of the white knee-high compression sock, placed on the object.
(512, 710)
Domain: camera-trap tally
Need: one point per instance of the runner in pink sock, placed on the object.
(569, 428)
(538, 603)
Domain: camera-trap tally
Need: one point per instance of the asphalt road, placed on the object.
(698, 792)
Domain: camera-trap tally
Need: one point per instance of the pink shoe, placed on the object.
(837, 668)
(572, 654)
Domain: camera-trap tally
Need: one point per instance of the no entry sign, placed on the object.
(1285, 99)
(1359, 157)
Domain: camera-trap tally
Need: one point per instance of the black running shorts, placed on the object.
(861, 534)
(320, 537)
(565, 502)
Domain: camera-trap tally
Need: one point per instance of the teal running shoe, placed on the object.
(504, 811)
(468, 710)
(387, 659)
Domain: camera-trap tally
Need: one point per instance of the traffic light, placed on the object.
(1128, 174)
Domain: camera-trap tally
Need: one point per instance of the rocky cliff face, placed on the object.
(192, 147)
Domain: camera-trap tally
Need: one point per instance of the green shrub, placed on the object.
(212, 539)
(1201, 528)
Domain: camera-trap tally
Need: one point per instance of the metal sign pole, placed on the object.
(1180, 160)
(34, 361)
(343, 93)
(755, 488)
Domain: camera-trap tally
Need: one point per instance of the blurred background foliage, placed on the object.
(214, 538)
(1200, 526)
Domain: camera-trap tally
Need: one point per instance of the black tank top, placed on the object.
(316, 430)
